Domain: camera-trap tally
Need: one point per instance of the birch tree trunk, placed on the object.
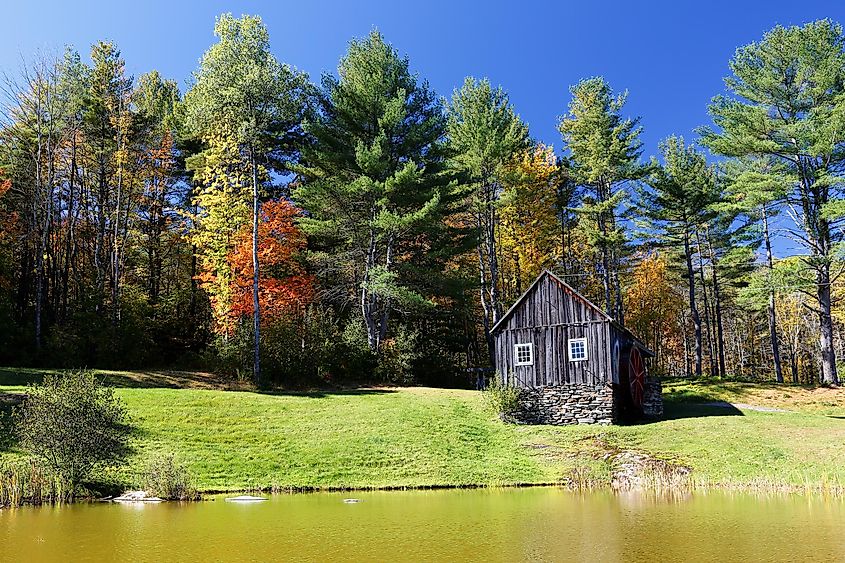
(256, 314)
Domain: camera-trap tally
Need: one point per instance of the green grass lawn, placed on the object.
(394, 437)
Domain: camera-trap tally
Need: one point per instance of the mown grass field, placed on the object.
(234, 438)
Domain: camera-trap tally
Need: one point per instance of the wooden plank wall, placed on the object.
(548, 317)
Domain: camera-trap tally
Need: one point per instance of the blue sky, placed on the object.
(670, 56)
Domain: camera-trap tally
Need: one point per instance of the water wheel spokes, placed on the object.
(636, 377)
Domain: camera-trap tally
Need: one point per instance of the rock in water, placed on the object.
(136, 496)
(245, 498)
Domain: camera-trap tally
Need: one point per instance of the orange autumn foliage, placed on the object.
(654, 310)
(285, 288)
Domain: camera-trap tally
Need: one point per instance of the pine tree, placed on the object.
(158, 104)
(788, 102)
(375, 188)
(604, 152)
(675, 205)
(485, 137)
(756, 186)
(106, 128)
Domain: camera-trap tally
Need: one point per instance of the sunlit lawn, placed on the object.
(394, 437)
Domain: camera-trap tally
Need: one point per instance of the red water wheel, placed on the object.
(636, 377)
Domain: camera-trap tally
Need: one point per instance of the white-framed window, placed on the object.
(523, 354)
(577, 349)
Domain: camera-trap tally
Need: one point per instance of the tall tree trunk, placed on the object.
(192, 307)
(385, 310)
(601, 192)
(115, 289)
(100, 242)
(696, 320)
(717, 298)
(492, 253)
(828, 373)
(39, 252)
(773, 325)
(705, 299)
(814, 197)
(605, 266)
(488, 264)
(70, 230)
(256, 313)
(486, 308)
(615, 263)
(368, 304)
(687, 360)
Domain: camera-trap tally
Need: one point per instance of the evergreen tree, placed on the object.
(675, 205)
(789, 103)
(158, 105)
(106, 128)
(485, 137)
(756, 186)
(604, 152)
(375, 187)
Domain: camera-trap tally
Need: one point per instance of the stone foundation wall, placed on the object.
(567, 404)
(653, 397)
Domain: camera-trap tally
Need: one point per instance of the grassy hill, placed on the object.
(235, 438)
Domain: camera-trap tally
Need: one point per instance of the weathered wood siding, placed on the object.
(549, 316)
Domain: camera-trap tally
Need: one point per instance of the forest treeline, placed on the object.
(364, 227)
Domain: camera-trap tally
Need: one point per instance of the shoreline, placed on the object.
(836, 493)
(418, 438)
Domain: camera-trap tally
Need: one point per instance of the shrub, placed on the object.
(73, 425)
(503, 399)
(166, 478)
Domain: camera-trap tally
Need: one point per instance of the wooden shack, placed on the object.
(573, 362)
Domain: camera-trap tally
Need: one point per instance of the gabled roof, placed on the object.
(569, 289)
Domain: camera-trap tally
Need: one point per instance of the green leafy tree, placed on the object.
(485, 136)
(245, 103)
(788, 103)
(375, 186)
(604, 156)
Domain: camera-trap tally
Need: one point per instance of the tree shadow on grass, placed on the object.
(20, 376)
(8, 401)
(175, 379)
(677, 410)
(329, 392)
(139, 379)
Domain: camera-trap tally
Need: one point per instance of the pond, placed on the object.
(467, 525)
